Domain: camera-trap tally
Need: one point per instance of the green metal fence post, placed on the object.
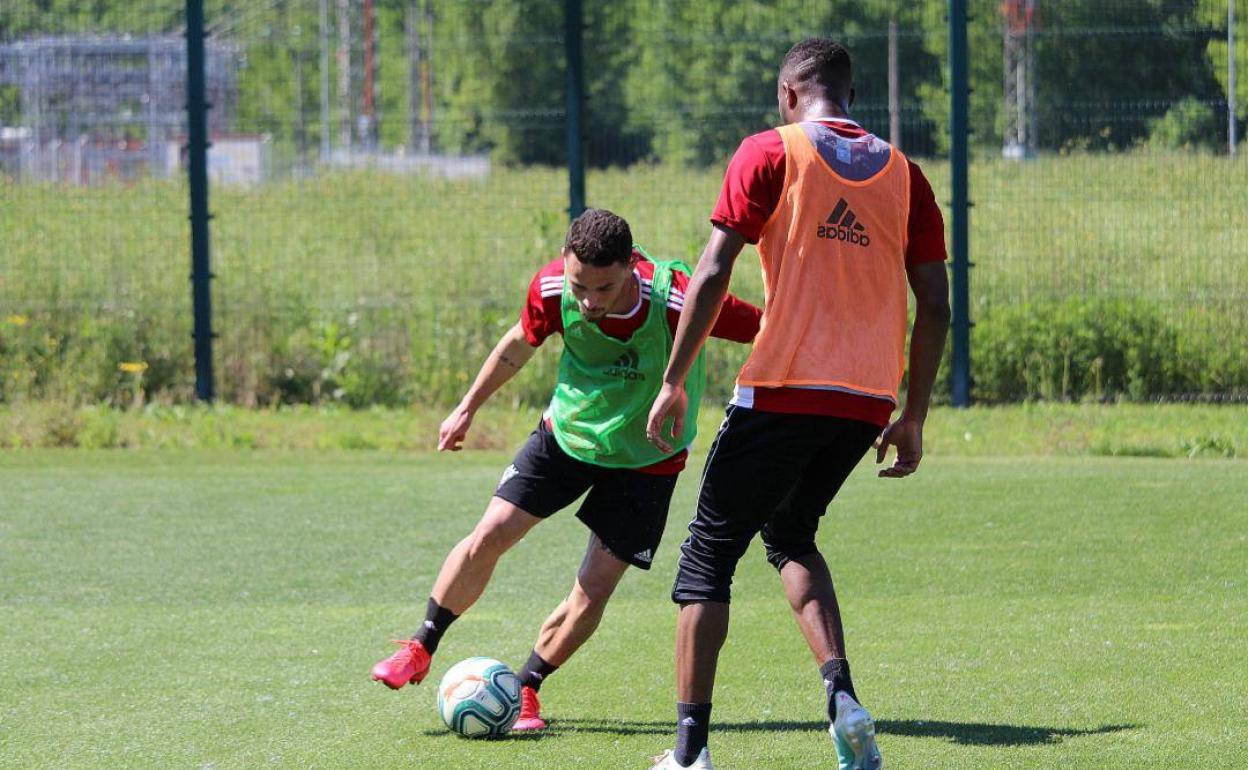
(572, 39)
(959, 87)
(197, 161)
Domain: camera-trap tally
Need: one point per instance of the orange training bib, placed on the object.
(834, 268)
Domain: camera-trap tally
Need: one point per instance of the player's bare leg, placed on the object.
(461, 581)
(576, 618)
(701, 628)
(470, 564)
(569, 626)
(808, 585)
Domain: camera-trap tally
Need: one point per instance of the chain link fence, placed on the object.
(388, 175)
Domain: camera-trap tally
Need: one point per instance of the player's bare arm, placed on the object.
(930, 285)
(511, 353)
(707, 289)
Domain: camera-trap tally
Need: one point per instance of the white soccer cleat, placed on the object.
(667, 761)
(854, 735)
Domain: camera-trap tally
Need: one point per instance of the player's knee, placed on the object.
(780, 554)
(490, 540)
(594, 587)
(704, 573)
(593, 592)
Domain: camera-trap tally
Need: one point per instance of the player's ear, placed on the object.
(633, 259)
(789, 94)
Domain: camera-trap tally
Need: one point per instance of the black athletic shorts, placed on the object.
(625, 508)
(771, 473)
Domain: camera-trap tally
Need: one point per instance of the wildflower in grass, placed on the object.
(17, 320)
(133, 367)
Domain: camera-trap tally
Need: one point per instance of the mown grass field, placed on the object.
(1027, 430)
(221, 609)
(413, 279)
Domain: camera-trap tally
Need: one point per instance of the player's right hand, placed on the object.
(454, 429)
(673, 402)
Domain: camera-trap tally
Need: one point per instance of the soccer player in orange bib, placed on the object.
(843, 221)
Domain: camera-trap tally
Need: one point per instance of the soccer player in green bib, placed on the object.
(616, 309)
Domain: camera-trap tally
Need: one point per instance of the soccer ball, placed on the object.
(479, 698)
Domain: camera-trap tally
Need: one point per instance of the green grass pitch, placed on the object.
(222, 610)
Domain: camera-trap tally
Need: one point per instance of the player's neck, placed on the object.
(628, 298)
(822, 108)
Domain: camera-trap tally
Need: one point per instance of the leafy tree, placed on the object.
(1213, 13)
(682, 81)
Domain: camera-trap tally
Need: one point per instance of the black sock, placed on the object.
(437, 620)
(535, 671)
(693, 722)
(836, 678)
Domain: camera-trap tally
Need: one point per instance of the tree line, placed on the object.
(678, 81)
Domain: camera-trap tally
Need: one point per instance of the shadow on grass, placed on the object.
(965, 733)
(979, 734)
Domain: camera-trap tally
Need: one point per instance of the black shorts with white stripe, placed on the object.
(625, 508)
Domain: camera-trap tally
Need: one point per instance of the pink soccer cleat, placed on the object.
(410, 665)
(530, 712)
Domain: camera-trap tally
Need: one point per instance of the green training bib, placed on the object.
(607, 385)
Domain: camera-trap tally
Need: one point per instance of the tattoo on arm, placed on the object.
(502, 357)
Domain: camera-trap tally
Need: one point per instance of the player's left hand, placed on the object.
(673, 402)
(907, 435)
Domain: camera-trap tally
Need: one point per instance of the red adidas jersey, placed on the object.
(750, 195)
(543, 316)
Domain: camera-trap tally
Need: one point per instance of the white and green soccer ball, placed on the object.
(479, 698)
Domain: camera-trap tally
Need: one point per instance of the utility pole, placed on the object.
(411, 29)
(426, 82)
(1232, 105)
(324, 14)
(344, 74)
(894, 87)
(419, 76)
(301, 128)
(368, 121)
(1019, 83)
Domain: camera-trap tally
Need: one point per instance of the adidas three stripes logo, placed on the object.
(843, 225)
(626, 366)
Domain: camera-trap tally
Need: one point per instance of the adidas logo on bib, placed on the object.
(626, 367)
(843, 225)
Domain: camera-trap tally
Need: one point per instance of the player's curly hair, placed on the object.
(821, 61)
(599, 238)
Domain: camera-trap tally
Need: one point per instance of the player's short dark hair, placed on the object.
(822, 62)
(600, 238)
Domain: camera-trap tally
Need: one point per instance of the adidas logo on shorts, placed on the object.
(647, 555)
(508, 474)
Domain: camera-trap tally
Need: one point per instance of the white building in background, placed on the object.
(233, 159)
(98, 108)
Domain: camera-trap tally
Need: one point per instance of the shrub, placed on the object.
(1082, 349)
(1188, 125)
